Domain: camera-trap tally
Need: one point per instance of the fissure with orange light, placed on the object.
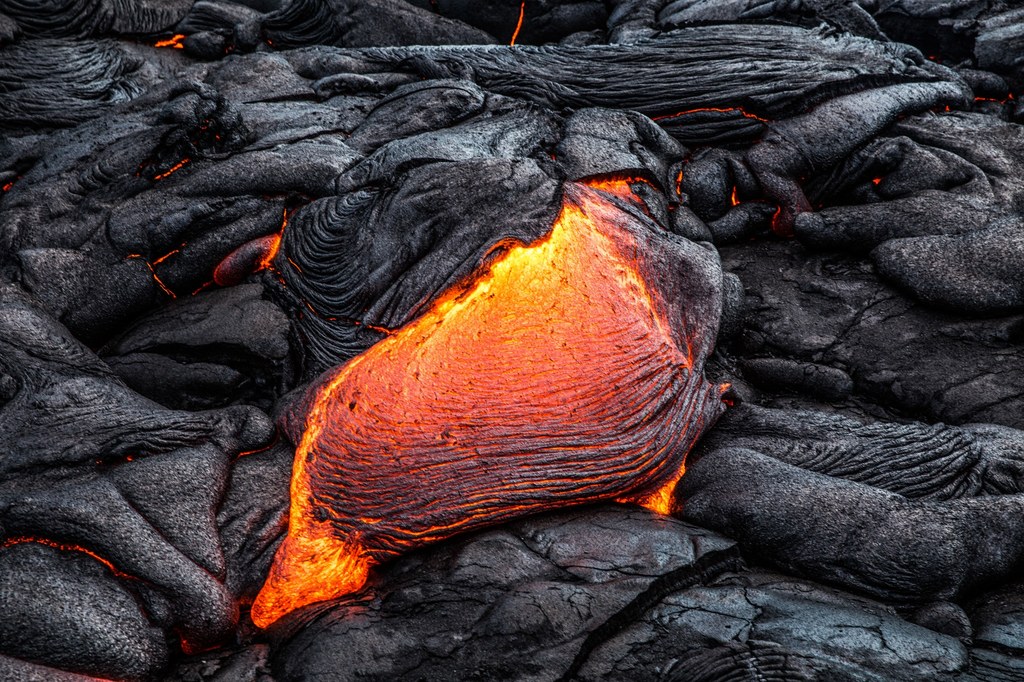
(560, 374)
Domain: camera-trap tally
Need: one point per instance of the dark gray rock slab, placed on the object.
(849, 534)
(831, 309)
(513, 603)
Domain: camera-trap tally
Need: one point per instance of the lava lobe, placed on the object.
(566, 371)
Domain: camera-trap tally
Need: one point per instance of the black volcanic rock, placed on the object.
(539, 585)
(203, 204)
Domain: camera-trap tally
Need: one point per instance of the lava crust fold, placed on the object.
(567, 371)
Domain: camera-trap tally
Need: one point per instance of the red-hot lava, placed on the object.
(554, 378)
(718, 110)
(519, 23)
(176, 42)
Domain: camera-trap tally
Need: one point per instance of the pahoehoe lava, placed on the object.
(433, 339)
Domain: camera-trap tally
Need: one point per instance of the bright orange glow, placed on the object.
(267, 261)
(519, 24)
(662, 500)
(7, 187)
(621, 186)
(152, 272)
(176, 42)
(876, 181)
(271, 254)
(724, 110)
(733, 200)
(253, 256)
(159, 282)
(551, 378)
(167, 255)
(726, 399)
(64, 547)
(172, 169)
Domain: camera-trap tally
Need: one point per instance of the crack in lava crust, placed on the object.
(555, 380)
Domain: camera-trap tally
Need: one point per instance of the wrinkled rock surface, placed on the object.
(207, 204)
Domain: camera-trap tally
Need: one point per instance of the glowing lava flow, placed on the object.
(519, 23)
(555, 380)
(717, 110)
(176, 42)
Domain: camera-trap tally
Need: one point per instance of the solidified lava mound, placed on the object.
(503, 340)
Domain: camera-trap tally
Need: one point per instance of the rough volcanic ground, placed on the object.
(206, 206)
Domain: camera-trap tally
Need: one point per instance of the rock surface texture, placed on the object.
(546, 340)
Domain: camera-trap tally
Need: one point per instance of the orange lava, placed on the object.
(519, 24)
(176, 42)
(172, 169)
(167, 255)
(552, 378)
(724, 110)
(876, 181)
(266, 262)
(64, 547)
(268, 258)
(152, 271)
(253, 256)
(733, 199)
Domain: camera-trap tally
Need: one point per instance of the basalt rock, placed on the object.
(918, 461)
(125, 488)
(905, 359)
(861, 537)
(472, 281)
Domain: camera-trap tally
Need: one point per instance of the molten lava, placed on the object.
(176, 42)
(173, 169)
(64, 547)
(553, 378)
(718, 110)
(519, 23)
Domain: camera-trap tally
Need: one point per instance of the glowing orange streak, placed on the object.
(620, 186)
(172, 169)
(876, 181)
(160, 283)
(526, 304)
(733, 200)
(7, 187)
(167, 255)
(64, 547)
(156, 278)
(724, 110)
(204, 285)
(267, 261)
(519, 24)
(172, 42)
